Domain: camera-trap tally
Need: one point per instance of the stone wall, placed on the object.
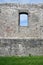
(16, 39)
(9, 21)
(21, 47)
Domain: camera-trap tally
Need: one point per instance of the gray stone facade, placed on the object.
(21, 47)
(20, 40)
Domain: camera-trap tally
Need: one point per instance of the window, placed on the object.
(23, 19)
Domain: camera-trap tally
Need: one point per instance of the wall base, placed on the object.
(21, 47)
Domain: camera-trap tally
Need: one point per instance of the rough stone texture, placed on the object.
(17, 40)
(21, 47)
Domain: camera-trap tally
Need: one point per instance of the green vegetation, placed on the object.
(30, 60)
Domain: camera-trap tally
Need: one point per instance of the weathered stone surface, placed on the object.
(9, 21)
(17, 40)
(21, 47)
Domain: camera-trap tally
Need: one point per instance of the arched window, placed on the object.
(23, 19)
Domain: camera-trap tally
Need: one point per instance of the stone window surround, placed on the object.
(23, 12)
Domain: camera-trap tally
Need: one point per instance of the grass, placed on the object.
(30, 60)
